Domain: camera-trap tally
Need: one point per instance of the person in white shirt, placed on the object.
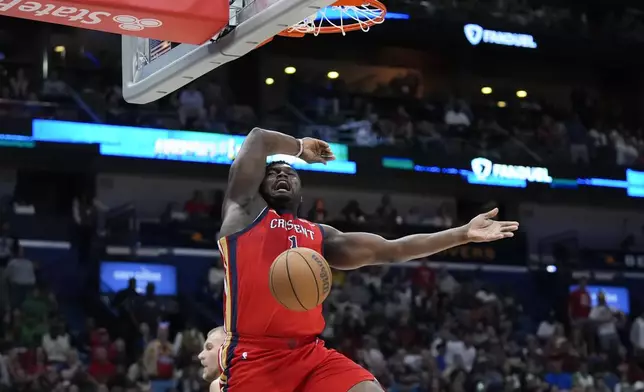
(547, 327)
(209, 358)
(372, 356)
(56, 344)
(637, 333)
(455, 116)
(216, 276)
(20, 276)
(462, 349)
(606, 323)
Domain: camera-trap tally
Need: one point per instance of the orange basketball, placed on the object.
(300, 279)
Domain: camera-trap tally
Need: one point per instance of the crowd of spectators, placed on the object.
(590, 20)
(41, 353)
(392, 114)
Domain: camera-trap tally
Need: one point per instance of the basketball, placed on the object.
(300, 279)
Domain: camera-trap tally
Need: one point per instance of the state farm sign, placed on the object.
(120, 17)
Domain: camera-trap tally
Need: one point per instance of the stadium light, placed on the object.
(289, 70)
(59, 49)
(269, 81)
(501, 104)
(522, 93)
(486, 90)
(333, 75)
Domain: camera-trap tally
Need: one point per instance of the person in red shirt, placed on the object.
(423, 278)
(579, 304)
(196, 207)
(100, 367)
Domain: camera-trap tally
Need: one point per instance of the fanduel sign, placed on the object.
(476, 34)
(485, 169)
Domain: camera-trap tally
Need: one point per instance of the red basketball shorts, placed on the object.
(281, 365)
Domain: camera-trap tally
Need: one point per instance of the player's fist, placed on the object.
(316, 151)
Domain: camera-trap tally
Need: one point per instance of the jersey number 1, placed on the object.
(293, 240)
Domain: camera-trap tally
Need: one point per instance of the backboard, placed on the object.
(154, 68)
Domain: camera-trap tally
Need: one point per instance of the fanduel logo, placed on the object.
(476, 34)
(53, 12)
(484, 168)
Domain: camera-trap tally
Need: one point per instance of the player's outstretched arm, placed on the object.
(355, 250)
(242, 199)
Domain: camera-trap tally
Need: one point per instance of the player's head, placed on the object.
(209, 356)
(281, 187)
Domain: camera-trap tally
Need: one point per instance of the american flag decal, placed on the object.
(158, 48)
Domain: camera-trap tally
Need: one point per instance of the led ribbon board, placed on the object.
(186, 146)
(488, 173)
(476, 34)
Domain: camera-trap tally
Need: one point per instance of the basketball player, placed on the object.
(269, 348)
(209, 357)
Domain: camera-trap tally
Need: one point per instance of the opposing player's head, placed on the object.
(209, 356)
(281, 187)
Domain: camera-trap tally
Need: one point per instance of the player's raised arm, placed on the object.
(242, 199)
(355, 250)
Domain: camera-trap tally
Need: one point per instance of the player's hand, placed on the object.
(316, 151)
(483, 229)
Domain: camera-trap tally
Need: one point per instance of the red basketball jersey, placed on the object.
(249, 307)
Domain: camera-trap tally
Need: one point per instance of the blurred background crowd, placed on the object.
(557, 309)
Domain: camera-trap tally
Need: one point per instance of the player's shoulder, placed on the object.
(240, 221)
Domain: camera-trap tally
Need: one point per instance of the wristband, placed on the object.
(301, 148)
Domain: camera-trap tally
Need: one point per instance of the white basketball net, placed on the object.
(365, 16)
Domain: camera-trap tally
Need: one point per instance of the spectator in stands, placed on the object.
(578, 138)
(547, 327)
(149, 309)
(423, 278)
(73, 369)
(17, 372)
(118, 353)
(579, 304)
(191, 106)
(19, 85)
(5, 377)
(386, 212)
(318, 213)
(413, 217)
(455, 116)
(353, 213)
(443, 218)
(36, 309)
(196, 207)
(460, 352)
(190, 380)
(159, 359)
(100, 368)
(20, 275)
(626, 153)
(53, 87)
(56, 343)
(606, 324)
(216, 276)
(187, 344)
(637, 334)
(6, 244)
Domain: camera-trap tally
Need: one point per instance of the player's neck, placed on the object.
(286, 211)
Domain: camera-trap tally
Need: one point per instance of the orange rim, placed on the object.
(344, 28)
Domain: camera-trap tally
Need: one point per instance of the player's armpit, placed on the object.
(355, 250)
(246, 175)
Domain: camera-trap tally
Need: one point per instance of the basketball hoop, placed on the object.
(341, 17)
